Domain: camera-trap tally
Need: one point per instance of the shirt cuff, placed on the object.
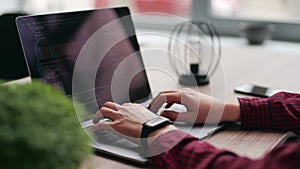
(255, 113)
(167, 141)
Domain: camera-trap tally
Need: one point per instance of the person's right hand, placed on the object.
(198, 105)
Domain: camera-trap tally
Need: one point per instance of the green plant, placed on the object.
(39, 129)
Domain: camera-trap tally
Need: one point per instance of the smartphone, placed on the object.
(255, 90)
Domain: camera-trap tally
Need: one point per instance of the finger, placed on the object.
(160, 93)
(172, 115)
(102, 126)
(176, 116)
(168, 105)
(105, 112)
(111, 105)
(168, 98)
(161, 99)
(126, 104)
(164, 92)
(168, 91)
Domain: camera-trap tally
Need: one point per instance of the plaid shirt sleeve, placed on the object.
(280, 111)
(181, 150)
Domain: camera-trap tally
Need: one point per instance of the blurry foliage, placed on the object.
(39, 129)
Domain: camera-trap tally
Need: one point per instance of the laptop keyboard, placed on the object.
(105, 136)
(102, 136)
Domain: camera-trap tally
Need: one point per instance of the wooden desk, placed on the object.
(252, 144)
(276, 64)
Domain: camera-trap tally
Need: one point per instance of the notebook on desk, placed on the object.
(94, 57)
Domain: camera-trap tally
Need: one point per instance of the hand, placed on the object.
(199, 107)
(127, 119)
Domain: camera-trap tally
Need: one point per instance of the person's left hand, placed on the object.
(127, 119)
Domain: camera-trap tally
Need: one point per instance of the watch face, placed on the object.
(156, 121)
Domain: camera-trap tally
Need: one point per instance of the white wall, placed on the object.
(8, 6)
(44, 6)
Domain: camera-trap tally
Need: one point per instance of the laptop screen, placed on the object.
(92, 56)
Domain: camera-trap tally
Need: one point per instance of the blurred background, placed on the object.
(225, 14)
(156, 16)
(251, 9)
(175, 7)
(280, 10)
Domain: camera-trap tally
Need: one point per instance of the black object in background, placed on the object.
(12, 60)
(254, 90)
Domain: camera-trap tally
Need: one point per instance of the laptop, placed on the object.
(92, 56)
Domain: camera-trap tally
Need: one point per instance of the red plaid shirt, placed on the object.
(281, 111)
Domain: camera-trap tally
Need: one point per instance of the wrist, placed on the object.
(232, 112)
(153, 135)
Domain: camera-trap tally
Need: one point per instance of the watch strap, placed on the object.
(150, 126)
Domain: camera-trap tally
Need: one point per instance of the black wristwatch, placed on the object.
(150, 126)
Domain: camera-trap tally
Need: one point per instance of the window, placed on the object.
(225, 14)
(274, 10)
(45, 6)
(173, 7)
(157, 14)
(228, 14)
(153, 14)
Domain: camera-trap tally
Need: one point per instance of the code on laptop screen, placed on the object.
(91, 55)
